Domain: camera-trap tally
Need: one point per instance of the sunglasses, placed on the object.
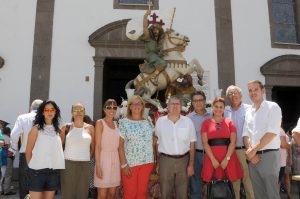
(136, 104)
(49, 110)
(111, 107)
(78, 110)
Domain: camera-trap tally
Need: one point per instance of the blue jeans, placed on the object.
(195, 180)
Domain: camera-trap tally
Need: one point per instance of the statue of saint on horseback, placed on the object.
(164, 62)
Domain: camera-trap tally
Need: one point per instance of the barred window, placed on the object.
(135, 4)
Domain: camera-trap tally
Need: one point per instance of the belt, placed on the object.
(219, 142)
(239, 147)
(266, 151)
(200, 151)
(175, 156)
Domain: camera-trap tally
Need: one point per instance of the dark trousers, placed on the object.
(23, 176)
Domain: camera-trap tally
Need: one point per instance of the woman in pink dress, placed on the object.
(107, 171)
(219, 137)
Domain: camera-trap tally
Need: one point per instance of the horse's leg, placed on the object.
(148, 99)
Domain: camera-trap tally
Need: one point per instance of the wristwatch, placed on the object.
(228, 158)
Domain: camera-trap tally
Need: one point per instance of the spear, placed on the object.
(172, 18)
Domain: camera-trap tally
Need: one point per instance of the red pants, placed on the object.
(135, 186)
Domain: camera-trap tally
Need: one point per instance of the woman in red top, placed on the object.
(219, 138)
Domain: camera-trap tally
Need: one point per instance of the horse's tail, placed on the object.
(129, 84)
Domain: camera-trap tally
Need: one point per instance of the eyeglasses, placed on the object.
(49, 110)
(111, 107)
(76, 111)
(136, 104)
(198, 100)
(232, 93)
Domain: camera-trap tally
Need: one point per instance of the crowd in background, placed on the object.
(244, 143)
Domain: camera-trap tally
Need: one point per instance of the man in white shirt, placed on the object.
(236, 112)
(21, 129)
(262, 141)
(176, 139)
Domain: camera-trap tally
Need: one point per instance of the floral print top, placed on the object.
(137, 137)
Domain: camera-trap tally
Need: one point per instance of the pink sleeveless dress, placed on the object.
(109, 158)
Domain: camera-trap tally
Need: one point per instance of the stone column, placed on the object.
(98, 87)
(225, 51)
(268, 89)
(41, 58)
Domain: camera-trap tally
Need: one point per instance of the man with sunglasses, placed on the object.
(21, 129)
(236, 112)
(198, 116)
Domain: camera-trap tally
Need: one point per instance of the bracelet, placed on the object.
(124, 165)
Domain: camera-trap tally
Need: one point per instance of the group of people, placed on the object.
(239, 141)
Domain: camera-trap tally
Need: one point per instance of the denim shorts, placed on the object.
(43, 180)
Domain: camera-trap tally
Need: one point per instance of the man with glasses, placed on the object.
(21, 129)
(176, 145)
(262, 141)
(198, 115)
(236, 112)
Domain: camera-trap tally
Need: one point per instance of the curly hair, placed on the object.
(40, 119)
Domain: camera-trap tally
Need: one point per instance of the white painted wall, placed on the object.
(252, 41)
(17, 19)
(75, 20)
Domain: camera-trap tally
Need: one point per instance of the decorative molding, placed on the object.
(2, 62)
(118, 5)
(281, 71)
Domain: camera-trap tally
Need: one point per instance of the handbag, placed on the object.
(220, 189)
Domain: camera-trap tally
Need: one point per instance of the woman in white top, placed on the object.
(79, 147)
(44, 153)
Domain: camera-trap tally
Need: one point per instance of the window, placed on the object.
(135, 4)
(283, 21)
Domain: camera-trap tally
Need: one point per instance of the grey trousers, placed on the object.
(8, 175)
(173, 174)
(264, 176)
(75, 180)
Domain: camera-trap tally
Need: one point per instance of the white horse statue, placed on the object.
(173, 46)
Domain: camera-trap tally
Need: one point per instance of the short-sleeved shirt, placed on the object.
(198, 120)
(238, 117)
(175, 138)
(138, 141)
(267, 118)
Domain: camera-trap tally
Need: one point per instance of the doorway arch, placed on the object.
(282, 82)
(111, 42)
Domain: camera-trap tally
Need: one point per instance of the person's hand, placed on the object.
(255, 159)
(126, 171)
(224, 163)
(250, 153)
(99, 172)
(190, 170)
(148, 13)
(10, 154)
(215, 163)
(156, 168)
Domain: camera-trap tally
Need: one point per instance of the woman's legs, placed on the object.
(36, 195)
(48, 194)
(106, 193)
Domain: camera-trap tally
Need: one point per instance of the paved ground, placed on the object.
(295, 193)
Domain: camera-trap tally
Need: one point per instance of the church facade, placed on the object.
(77, 51)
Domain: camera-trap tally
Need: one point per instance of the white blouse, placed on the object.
(47, 151)
(77, 145)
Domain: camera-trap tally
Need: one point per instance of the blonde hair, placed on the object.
(129, 113)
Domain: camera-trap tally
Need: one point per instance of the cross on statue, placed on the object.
(154, 20)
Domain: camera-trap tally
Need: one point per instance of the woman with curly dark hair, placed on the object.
(44, 153)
